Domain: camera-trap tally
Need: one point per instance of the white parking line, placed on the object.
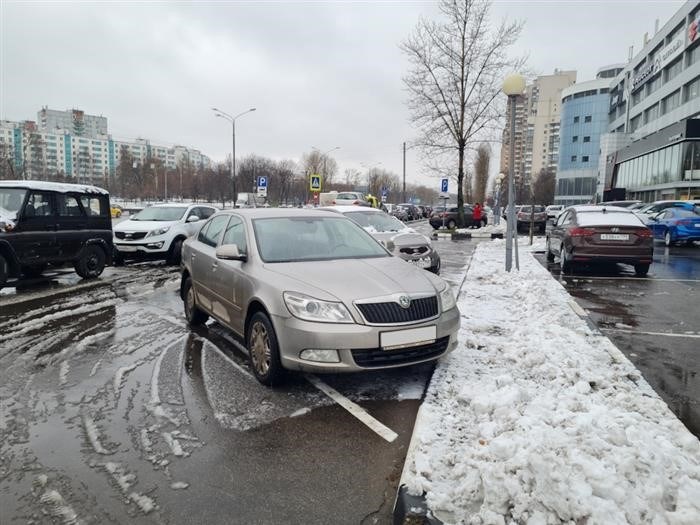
(665, 334)
(355, 409)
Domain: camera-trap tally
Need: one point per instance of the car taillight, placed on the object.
(356, 203)
(581, 232)
(333, 202)
(644, 233)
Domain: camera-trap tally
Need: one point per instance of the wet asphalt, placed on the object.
(654, 320)
(114, 411)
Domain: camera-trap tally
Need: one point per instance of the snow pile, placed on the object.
(538, 419)
(489, 228)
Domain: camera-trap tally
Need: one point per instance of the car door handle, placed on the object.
(214, 266)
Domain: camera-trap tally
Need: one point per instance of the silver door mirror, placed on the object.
(229, 252)
(193, 218)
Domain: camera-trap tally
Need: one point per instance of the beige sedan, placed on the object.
(311, 290)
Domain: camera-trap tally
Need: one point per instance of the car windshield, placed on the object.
(296, 239)
(160, 213)
(11, 200)
(379, 222)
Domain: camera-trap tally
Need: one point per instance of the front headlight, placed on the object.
(159, 231)
(447, 298)
(311, 309)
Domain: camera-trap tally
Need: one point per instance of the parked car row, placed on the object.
(449, 217)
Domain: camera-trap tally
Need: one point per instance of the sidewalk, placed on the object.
(536, 418)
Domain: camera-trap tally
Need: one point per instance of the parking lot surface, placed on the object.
(114, 411)
(653, 320)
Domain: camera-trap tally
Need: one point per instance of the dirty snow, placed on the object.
(536, 418)
(93, 435)
(58, 508)
(489, 228)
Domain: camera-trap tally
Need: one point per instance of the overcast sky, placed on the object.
(319, 74)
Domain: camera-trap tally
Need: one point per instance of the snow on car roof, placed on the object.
(611, 216)
(52, 186)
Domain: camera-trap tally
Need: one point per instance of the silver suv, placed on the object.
(158, 231)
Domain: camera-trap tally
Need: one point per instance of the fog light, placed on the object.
(321, 356)
(155, 245)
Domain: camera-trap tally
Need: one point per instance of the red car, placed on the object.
(599, 233)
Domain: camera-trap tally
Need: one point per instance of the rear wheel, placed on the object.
(641, 270)
(34, 270)
(4, 270)
(193, 314)
(264, 350)
(564, 263)
(451, 224)
(91, 262)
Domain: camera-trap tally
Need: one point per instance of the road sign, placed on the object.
(443, 185)
(262, 191)
(262, 182)
(315, 182)
(385, 194)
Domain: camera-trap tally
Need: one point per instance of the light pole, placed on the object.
(513, 86)
(323, 156)
(232, 120)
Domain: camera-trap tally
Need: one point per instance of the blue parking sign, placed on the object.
(262, 182)
(444, 185)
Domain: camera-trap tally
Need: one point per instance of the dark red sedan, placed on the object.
(600, 233)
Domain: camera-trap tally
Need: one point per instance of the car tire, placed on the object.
(667, 238)
(564, 263)
(451, 224)
(91, 262)
(263, 350)
(550, 255)
(34, 270)
(194, 316)
(641, 270)
(175, 252)
(4, 270)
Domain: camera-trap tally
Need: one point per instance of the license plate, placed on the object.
(697, 225)
(405, 338)
(614, 237)
(422, 263)
(125, 248)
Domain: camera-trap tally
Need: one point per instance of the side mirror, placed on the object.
(193, 218)
(229, 252)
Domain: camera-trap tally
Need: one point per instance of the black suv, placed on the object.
(44, 223)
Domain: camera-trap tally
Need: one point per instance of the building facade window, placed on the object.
(573, 158)
(673, 69)
(586, 139)
(692, 90)
(637, 97)
(651, 114)
(653, 85)
(635, 123)
(693, 54)
(584, 158)
(588, 118)
(574, 138)
(576, 119)
(671, 102)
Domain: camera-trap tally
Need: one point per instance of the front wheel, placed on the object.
(91, 262)
(451, 224)
(550, 255)
(667, 238)
(175, 254)
(641, 270)
(264, 350)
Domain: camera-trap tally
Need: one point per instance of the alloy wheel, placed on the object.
(260, 348)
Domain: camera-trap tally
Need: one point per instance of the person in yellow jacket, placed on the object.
(372, 200)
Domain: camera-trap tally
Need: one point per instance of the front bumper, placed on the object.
(295, 335)
(150, 246)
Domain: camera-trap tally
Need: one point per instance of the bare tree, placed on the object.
(317, 163)
(454, 81)
(543, 187)
(481, 172)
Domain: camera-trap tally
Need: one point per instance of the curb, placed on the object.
(466, 236)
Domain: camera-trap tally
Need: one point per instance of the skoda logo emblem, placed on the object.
(404, 301)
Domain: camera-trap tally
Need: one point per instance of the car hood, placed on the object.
(142, 226)
(352, 279)
(401, 238)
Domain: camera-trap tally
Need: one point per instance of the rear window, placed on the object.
(610, 218)
(688, 213)
(348, 196)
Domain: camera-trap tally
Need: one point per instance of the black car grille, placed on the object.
(376, 357)
(130, 236)
(389, 313)
(417, 250)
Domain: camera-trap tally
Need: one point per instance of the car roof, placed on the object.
(52, 186)
(268, 213)
(352, 207)
(176, 205)
(597, 207)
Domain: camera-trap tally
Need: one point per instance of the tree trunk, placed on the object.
(460, 180)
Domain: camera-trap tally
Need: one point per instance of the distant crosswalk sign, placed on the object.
(315, 182)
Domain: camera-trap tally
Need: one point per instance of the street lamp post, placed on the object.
(232, 120)
(513, 86)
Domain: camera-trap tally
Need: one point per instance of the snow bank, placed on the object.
(538, 419)
(489, 228)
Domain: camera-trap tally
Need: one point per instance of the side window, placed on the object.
(39, 205)
(668, 214)
(212, 231)
(68, 206)
(195, 211)
(564, 218)
(95, 205)
(235, 234)
(205, 213)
